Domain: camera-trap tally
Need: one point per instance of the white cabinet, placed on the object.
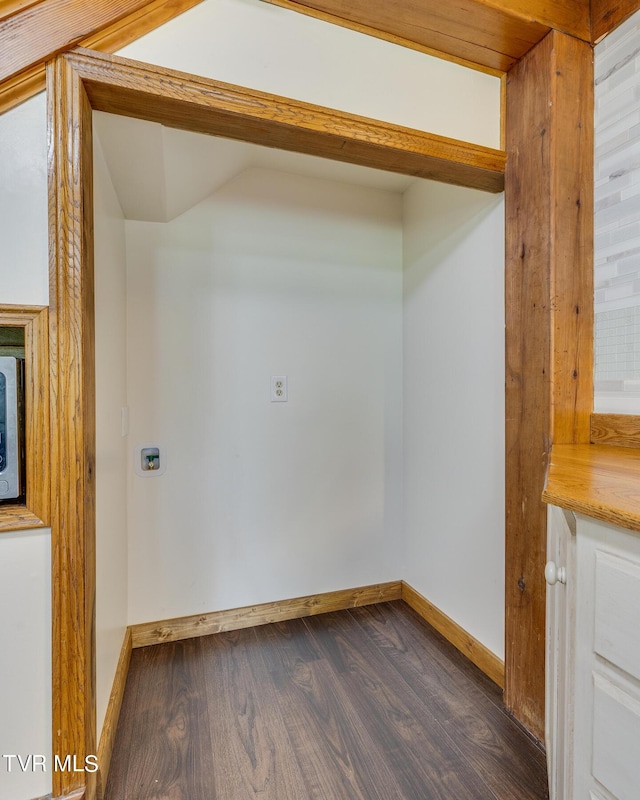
(593, 662)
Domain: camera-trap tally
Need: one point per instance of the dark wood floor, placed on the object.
(365, 704)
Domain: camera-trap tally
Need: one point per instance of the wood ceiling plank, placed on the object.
(608, 14)
(121, 86)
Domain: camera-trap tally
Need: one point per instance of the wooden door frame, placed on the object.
(549, 275)
(78, 83)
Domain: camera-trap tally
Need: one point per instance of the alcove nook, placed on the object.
(219, 264)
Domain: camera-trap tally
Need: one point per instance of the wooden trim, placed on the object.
(34, 513)
(600, 481)
(121, 86)
(172, 630)
(23, 86)
(606, 15)
(73, 437)
(474, 650)
(622, 430)
(108, 735)
(31, 80)
(378, 33)
(549, 327)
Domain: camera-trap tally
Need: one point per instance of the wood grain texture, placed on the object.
(606, 15)
(475, 651)
(548, 298)
(109, 38)
(598, 480)
(9, 7)
(72, 398)
(493, 34)
(234, 619)
(178, 100)
(110, 725)
(622, 430)
(53, 26)
(34, 512)
(368, 703)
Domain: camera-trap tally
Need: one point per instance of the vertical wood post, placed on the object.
(549, 319)
(72, 399)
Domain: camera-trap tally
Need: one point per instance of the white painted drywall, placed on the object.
(25, 573)
(454, 404)
(111, 446)
(24, 277)
(25, 664)
(275, 274)
(266, 47)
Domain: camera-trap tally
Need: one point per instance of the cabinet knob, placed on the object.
(554, 574)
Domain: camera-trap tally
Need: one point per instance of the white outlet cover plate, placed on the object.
(279, 389)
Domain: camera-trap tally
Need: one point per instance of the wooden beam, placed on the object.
(72, 388)
(121, 86)
(606, 15)
(29, 39)
(549, 324)
(491, 33)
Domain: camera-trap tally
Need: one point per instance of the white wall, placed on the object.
(25, 573)
(275, 274)
(111, 447)
(252, 43)
(454, 404)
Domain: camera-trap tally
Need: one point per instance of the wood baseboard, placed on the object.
(476, 652)
(173, 630)
(108, 735)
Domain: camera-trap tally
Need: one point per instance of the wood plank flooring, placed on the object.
(365, 704)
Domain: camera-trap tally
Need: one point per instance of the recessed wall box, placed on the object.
(11, 427)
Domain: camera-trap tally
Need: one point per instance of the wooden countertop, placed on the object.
(600, 481)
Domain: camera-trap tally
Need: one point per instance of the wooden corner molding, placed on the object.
(475, 651)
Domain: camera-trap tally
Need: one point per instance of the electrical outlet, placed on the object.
(279, 393)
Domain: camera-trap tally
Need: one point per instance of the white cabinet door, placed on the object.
(606, 741)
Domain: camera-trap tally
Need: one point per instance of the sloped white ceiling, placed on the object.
(158, 173)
